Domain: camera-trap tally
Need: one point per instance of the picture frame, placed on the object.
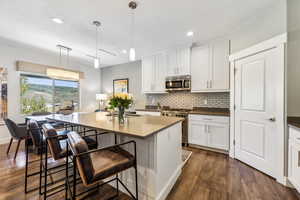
(121, 85)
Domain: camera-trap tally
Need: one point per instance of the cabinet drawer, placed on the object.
(294, 135)
(209, 118)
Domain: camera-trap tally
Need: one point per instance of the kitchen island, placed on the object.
(158, 141)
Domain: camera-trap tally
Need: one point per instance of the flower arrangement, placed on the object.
(121, 101)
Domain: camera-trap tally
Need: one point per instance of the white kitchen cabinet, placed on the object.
(197, 133)
(294, 158)
(210, 67)
(178, 61)
(209, 131)
(154, 73)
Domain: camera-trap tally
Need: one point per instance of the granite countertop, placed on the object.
(294, 121)
(137, 126)
(210, 111)
(196, 110)
(147, 110)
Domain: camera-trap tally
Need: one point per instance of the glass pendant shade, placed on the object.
(132, 54)
(96, 63)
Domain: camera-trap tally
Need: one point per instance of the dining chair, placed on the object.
(18, 132)
(96, 165)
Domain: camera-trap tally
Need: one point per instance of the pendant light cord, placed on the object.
(132, 29)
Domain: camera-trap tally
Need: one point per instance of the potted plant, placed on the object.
(121, 101)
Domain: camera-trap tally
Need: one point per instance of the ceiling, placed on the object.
(160, 24)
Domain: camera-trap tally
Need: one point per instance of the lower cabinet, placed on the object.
(294, 158)
(209, 131)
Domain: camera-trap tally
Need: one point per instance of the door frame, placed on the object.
(281, 158)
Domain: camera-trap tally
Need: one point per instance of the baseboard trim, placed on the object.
(168, 187)
(4, 140)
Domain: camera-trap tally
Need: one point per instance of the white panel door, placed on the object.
(220, 65)
(255, 98)
(160, 72)
(218, 136)
(183, 61)
(200, 68)
(172, 69)
(147, 71)
(198, 133)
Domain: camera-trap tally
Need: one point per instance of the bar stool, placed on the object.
(57, 146)
(96, 165)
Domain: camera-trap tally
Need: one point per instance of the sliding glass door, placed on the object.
(43, 94)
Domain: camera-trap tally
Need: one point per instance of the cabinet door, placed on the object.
(172, 69)
(183, 61)
(220, 65)
(294, 164)
(197, 133)
(200, 68)
(147, 69)
(218, 136)
(160, 72)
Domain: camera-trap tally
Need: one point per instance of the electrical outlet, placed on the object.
(205, 101)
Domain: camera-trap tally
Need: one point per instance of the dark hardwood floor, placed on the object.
(206, 176)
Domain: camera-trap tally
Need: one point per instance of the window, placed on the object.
(43, 94)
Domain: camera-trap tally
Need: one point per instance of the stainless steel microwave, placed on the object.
(178, 83)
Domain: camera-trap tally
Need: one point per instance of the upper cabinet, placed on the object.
(154, 73)
(210, 67)
(178, 61)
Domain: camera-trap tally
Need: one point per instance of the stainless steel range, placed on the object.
(179, 113)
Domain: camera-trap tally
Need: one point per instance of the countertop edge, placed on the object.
(126, 133)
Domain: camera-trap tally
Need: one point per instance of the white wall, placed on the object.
(132, 71)
(10, 52)
(293, 58)
(262, 25)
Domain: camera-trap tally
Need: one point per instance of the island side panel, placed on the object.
(147, 175)
(158, 159)
(168, 158)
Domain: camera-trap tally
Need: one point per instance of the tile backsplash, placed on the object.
(189, 100)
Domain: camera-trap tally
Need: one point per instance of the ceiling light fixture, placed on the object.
(190, 34)
(132, 5)
(57, 20)
(124, 51)
(96, 59)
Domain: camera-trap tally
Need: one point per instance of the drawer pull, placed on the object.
(298, 158)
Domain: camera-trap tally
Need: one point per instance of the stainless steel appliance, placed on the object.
(179, 113)
(178, 83)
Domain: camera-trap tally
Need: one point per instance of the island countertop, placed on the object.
(137, 126)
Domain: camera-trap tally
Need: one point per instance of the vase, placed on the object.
(121, 115)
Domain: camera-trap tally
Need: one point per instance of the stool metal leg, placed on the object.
(46, 168)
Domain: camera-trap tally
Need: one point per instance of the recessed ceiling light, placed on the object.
(124, 51)
(190, 34)
(57, 20)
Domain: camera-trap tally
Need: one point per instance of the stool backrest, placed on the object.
(84, 162)
(53, 142)
(35, 132)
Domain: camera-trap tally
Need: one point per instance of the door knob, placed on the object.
(272, 119)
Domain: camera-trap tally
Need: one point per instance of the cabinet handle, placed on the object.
(208, 129)
(298, 158)
(210, 84)
(205, 128)
(206, 84)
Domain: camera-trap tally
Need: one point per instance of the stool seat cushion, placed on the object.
(110, 162)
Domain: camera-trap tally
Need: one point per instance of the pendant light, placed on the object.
(96, 59)
(132, 5)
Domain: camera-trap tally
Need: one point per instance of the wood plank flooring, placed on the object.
(206, 176)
